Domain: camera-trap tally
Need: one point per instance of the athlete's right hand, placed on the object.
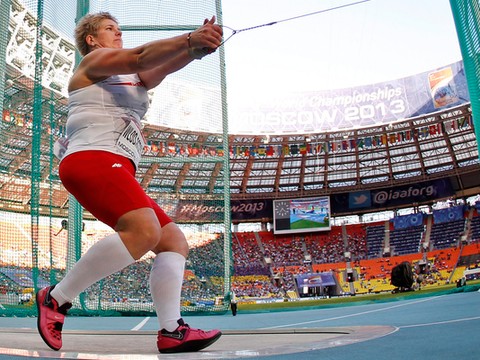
(208, 36)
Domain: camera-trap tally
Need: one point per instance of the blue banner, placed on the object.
(391, 197)
(315, 280)
(406, 221)
(453, 213)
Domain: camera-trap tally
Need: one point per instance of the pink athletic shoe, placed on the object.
(185, 339)
(50, 318)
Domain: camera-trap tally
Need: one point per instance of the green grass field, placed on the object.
(359, 299)
(307, 224)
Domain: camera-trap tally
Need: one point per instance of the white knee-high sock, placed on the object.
(166, 279)
(104, 258)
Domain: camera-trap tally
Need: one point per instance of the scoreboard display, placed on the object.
(301, 215)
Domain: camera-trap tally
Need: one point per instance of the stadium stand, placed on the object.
(257, 278)
(406, 241)
(375, 240)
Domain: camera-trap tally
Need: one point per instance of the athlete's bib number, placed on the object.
(60, 147)
(132, 142)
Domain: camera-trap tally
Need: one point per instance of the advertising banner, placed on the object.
(356, 107)
(250, 210)
(391, 197)
(212, 211)
(315, 280)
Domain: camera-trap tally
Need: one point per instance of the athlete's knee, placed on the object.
(176, 242)
(183, 247)
(140, 231)
(173, 239)
(141, 240)
(149, 234)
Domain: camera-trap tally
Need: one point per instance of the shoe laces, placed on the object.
(55, 330)
(186, 326)
(181, 326)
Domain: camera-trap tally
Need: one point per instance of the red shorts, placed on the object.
(104, 183)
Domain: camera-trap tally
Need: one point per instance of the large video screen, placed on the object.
(301, 215)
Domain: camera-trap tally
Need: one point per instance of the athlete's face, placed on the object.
(108, 35)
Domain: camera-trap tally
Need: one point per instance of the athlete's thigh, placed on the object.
(104, 184)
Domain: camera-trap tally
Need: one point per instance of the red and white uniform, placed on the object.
(103, 147)
(106, 116)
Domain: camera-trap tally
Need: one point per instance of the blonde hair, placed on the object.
(89, 25)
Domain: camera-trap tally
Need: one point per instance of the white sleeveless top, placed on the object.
(106, 116)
